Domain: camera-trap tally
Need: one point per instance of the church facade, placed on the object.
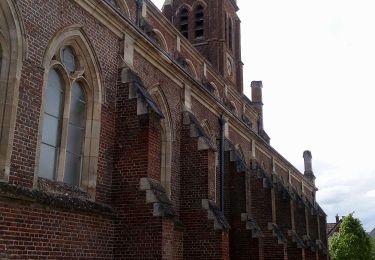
(125, 134)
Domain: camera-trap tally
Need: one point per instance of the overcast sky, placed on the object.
(317, 63)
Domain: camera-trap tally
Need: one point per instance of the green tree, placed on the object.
(352, 242)
(373, 247)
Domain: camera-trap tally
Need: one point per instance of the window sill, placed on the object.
(47, 199)
(61, 188)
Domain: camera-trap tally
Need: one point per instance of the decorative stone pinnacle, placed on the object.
(309, 174)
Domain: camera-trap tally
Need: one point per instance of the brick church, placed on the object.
(125, 134)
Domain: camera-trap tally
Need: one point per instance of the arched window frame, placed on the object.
(121, 5)
(87, 74)
(167, 138)
(183, 19)
(190, 68)
(13, 53)
(199, 21)
(214, 167)
(160, 39)
(216, 90)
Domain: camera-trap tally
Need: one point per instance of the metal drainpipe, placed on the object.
(222, 123)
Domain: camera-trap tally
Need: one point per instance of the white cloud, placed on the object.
(370, 194)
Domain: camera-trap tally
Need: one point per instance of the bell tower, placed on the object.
(213, 27)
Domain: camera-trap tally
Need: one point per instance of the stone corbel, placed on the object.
(296, 239)
(236, 156)
(197, 131)
(157, 196)
(251, 224)
(276, 232)
(309, 243)
(145, 102)
(214, 213)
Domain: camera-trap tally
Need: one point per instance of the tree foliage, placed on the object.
(373, 247)
(352, 242)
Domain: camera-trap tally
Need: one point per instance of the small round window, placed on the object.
(69, 59)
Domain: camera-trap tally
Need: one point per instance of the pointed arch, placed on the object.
(167, 137)
(191, 69)
(88, 74)
(234, 108)
(13, 49)
(182, 6)
(160, 39)
(124, 7)
(215, 162)
(209, 131)
(240, 151)
(199, 2)
(216, 91)
(183, 14)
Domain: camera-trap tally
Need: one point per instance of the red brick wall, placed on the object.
(37, 232)
(242, 245)
(261, 209)
(300, 220)
(201, 241)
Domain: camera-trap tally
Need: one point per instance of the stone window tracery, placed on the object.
(64, 95)
(67, 140)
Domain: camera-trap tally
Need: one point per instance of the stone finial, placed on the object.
(337, 218)
(257, 100)
(309, 174)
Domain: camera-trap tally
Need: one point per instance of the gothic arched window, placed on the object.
(230, 34)
(184, 22)
(64, 119)
(11, 59)
(199, 21)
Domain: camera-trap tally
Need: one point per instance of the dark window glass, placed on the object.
(76, 134)
(184, 22)
(53, 111)
(199, 21)
(230, 37)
